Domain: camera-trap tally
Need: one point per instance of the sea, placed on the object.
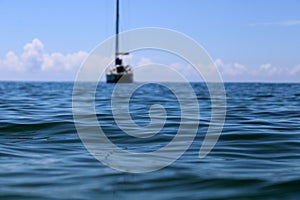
(257, 155)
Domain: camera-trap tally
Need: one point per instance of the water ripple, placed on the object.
(257, 156)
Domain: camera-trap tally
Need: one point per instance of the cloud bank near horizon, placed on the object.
(262, 73)
(36, 64)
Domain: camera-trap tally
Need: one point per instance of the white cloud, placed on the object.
(280, 23)
(290, 23)
(187, 71)
(35, 63)
(11, 62)
(165, 72)
(34, 58)
(269, 70)
(144, 61)
(265, 66)
(295, 70)
(263, 72)
(58, 61)
(231, 69)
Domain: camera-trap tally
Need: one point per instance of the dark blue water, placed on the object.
(257, 155)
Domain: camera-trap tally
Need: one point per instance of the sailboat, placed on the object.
(119, 73)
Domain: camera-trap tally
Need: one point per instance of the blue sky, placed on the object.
(249, 40)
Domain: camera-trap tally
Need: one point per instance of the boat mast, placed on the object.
(117, 31)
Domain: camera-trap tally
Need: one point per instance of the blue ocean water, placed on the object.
(257, 155)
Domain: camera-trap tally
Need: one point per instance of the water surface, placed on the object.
(257, 155)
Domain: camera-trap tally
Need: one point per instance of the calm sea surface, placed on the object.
(256, 157)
